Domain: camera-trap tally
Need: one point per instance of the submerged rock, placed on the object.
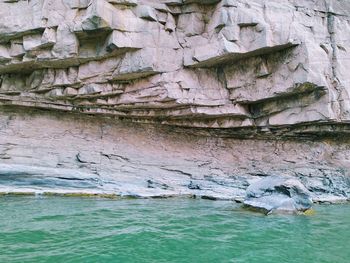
(278, 195)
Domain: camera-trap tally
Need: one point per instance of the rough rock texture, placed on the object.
(215, 64)
(258, 69)
(52, 152)
(278, 195)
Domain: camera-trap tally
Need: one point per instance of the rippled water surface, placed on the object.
(177, 230)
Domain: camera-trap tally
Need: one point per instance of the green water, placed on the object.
(177, 230)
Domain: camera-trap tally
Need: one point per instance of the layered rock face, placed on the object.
(50, 152)
(235, 68)
(212, 64)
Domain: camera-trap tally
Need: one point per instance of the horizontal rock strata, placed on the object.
(257, 65)
(150, 97)
(46, 152)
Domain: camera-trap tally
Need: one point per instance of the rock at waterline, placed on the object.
(278, 195)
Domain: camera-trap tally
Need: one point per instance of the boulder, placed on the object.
(278, 195)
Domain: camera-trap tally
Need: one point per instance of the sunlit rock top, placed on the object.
(241, 64)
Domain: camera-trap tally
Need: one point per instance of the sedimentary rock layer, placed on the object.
(47, 152)
(150, 97)
(255, 64)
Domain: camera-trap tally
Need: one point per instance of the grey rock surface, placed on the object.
(50, 152)
(151, 97)
(278, 195)
(255, 65)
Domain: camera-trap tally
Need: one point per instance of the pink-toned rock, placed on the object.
(259, 69)
(284, 63)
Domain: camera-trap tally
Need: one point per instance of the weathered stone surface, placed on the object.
(43, 151)
(219, 69)
(278, 195)
(273, 64)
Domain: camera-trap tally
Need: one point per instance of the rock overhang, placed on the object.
(257, 65)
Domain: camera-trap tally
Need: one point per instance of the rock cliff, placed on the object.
(84, 83)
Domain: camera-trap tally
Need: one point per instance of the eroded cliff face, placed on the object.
(48, 152)
(232, 68)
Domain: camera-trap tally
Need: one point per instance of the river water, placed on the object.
(34, 229)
